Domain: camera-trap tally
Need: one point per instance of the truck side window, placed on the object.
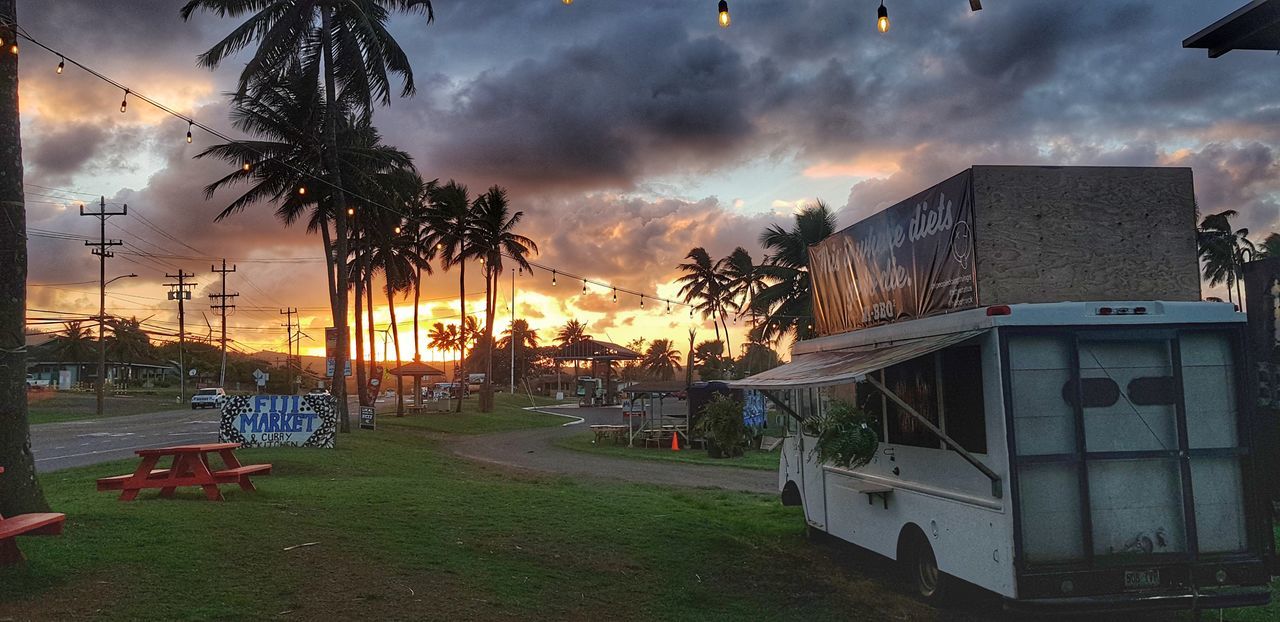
(962, 404)
(914, 381)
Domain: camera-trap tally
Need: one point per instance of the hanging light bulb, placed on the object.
(584, 286)
(690, 312)
(553, 278)
(567, 2)
(641, 301)
(615, 294)
(302, 190)
(882, 18)
(668, 307)
(245, 167)
(124, 102)
(189, 124)
(724, 13)
(13, 49)
(62, 63)
(397, 230)
(351, 211)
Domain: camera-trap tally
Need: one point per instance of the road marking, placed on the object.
(103, 451)
(108, 434)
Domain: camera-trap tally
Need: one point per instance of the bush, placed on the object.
(721, 425)
(846, 436)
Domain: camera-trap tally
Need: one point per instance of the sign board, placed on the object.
(911, 260)
(330, 353)
(261, 377)
(367, 418)
(279, 420)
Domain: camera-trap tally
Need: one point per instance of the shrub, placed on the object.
(846, 436)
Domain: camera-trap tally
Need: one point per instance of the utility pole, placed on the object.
(289, 313)
(181, 291)
(223, 306)
(101, 251)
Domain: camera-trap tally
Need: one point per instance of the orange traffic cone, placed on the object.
(675, 441)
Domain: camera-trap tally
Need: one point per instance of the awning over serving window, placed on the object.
(819, 369)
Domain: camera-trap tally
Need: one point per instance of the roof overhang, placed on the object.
(819, 369)
(1254, 26)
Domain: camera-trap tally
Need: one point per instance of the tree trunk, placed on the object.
(417, 349)
(340, 219)
(19, 491)
(728, 348)
(373, 333)
(490, 300)
(362, 389)
(395, 340)
(462, 336)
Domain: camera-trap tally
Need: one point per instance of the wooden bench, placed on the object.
(42, 524)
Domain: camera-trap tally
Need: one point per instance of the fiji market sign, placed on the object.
(909, 261)
(279, 420)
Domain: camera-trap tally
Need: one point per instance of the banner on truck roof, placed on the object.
(911, 260)
(279, 420)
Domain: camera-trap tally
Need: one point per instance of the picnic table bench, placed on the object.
(190, 467)
(41, 524)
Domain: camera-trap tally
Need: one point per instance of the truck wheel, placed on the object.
(933, 585)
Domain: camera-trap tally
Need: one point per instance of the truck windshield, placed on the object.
(1126, 446)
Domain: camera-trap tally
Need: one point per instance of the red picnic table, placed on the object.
(42, 524)
(190, 467)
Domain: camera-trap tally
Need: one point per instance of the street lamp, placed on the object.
(102, 338)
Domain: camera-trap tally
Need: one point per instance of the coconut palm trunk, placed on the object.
(417, 349)
(395, 342)
(490, 300)
(339, 302)
(462, 337)
(361, 385)
(19, 491)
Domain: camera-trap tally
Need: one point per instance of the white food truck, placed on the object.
(1064, 450)
(1090, 455)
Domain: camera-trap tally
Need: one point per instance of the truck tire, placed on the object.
(921, 566)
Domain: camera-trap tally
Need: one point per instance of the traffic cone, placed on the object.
(675, 441)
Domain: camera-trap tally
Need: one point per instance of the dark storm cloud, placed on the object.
(64, 151)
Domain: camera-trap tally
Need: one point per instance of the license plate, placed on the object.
(1141, 579)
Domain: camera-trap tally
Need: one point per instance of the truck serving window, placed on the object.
(916, 382)
(963, 410)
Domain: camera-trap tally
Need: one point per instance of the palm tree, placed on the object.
(495, 238)
(742, 278)
(1270, 246)
(452, 225)
(423, 237)
(127, 342)
(704, 287)
(573, 331)
(787, 301)
(662, 360)
(75, 344)
(445, 338)
(1222, 250)
(310, 36)
(525, 342)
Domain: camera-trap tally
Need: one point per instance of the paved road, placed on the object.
(533, 450)
(78, 443)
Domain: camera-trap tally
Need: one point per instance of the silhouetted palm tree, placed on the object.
(573, 331)
(704, 287)
(343, 44)
(127, 343)
(786, 303)
(662, 360)
(495, 239)
(452, 224)
(1270, 246)
(1222, 250)
(75, 344)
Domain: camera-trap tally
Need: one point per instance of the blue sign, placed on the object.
(753, 409)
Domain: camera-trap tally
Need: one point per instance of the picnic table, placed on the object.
(42, 524)
(190, 467)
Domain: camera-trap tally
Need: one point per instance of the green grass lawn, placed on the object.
(508, 414)
(404, 531)
(752, 459)
(56, 406)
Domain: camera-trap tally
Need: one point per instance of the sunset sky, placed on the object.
(628, 133)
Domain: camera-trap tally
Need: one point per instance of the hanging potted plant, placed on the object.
(846, 435)
(722, 427)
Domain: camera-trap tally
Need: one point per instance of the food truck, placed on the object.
(1061, 420)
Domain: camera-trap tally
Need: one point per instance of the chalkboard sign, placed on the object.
(367, 418)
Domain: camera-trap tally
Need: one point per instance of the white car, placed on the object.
(208, 398)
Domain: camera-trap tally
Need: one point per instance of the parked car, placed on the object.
(318, 391)
(208, 398)
(36, 384)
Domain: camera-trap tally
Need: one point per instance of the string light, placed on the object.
(584, 286)
(189, 124)
(724, 13)
(62, 63)
(397, 228)
(302, 190)
(615, 295)
(882, 18)
(553, 278)
(567, 2)
(351, 211)
(668, 307)
(641, 301)
(124, 102)
(13, 49)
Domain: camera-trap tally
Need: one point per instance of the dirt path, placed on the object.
(533, 450)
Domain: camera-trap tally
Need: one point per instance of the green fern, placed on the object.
(846, 436)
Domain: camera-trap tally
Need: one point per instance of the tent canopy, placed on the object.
(820, 369)
(595, 350)
(416, 368)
